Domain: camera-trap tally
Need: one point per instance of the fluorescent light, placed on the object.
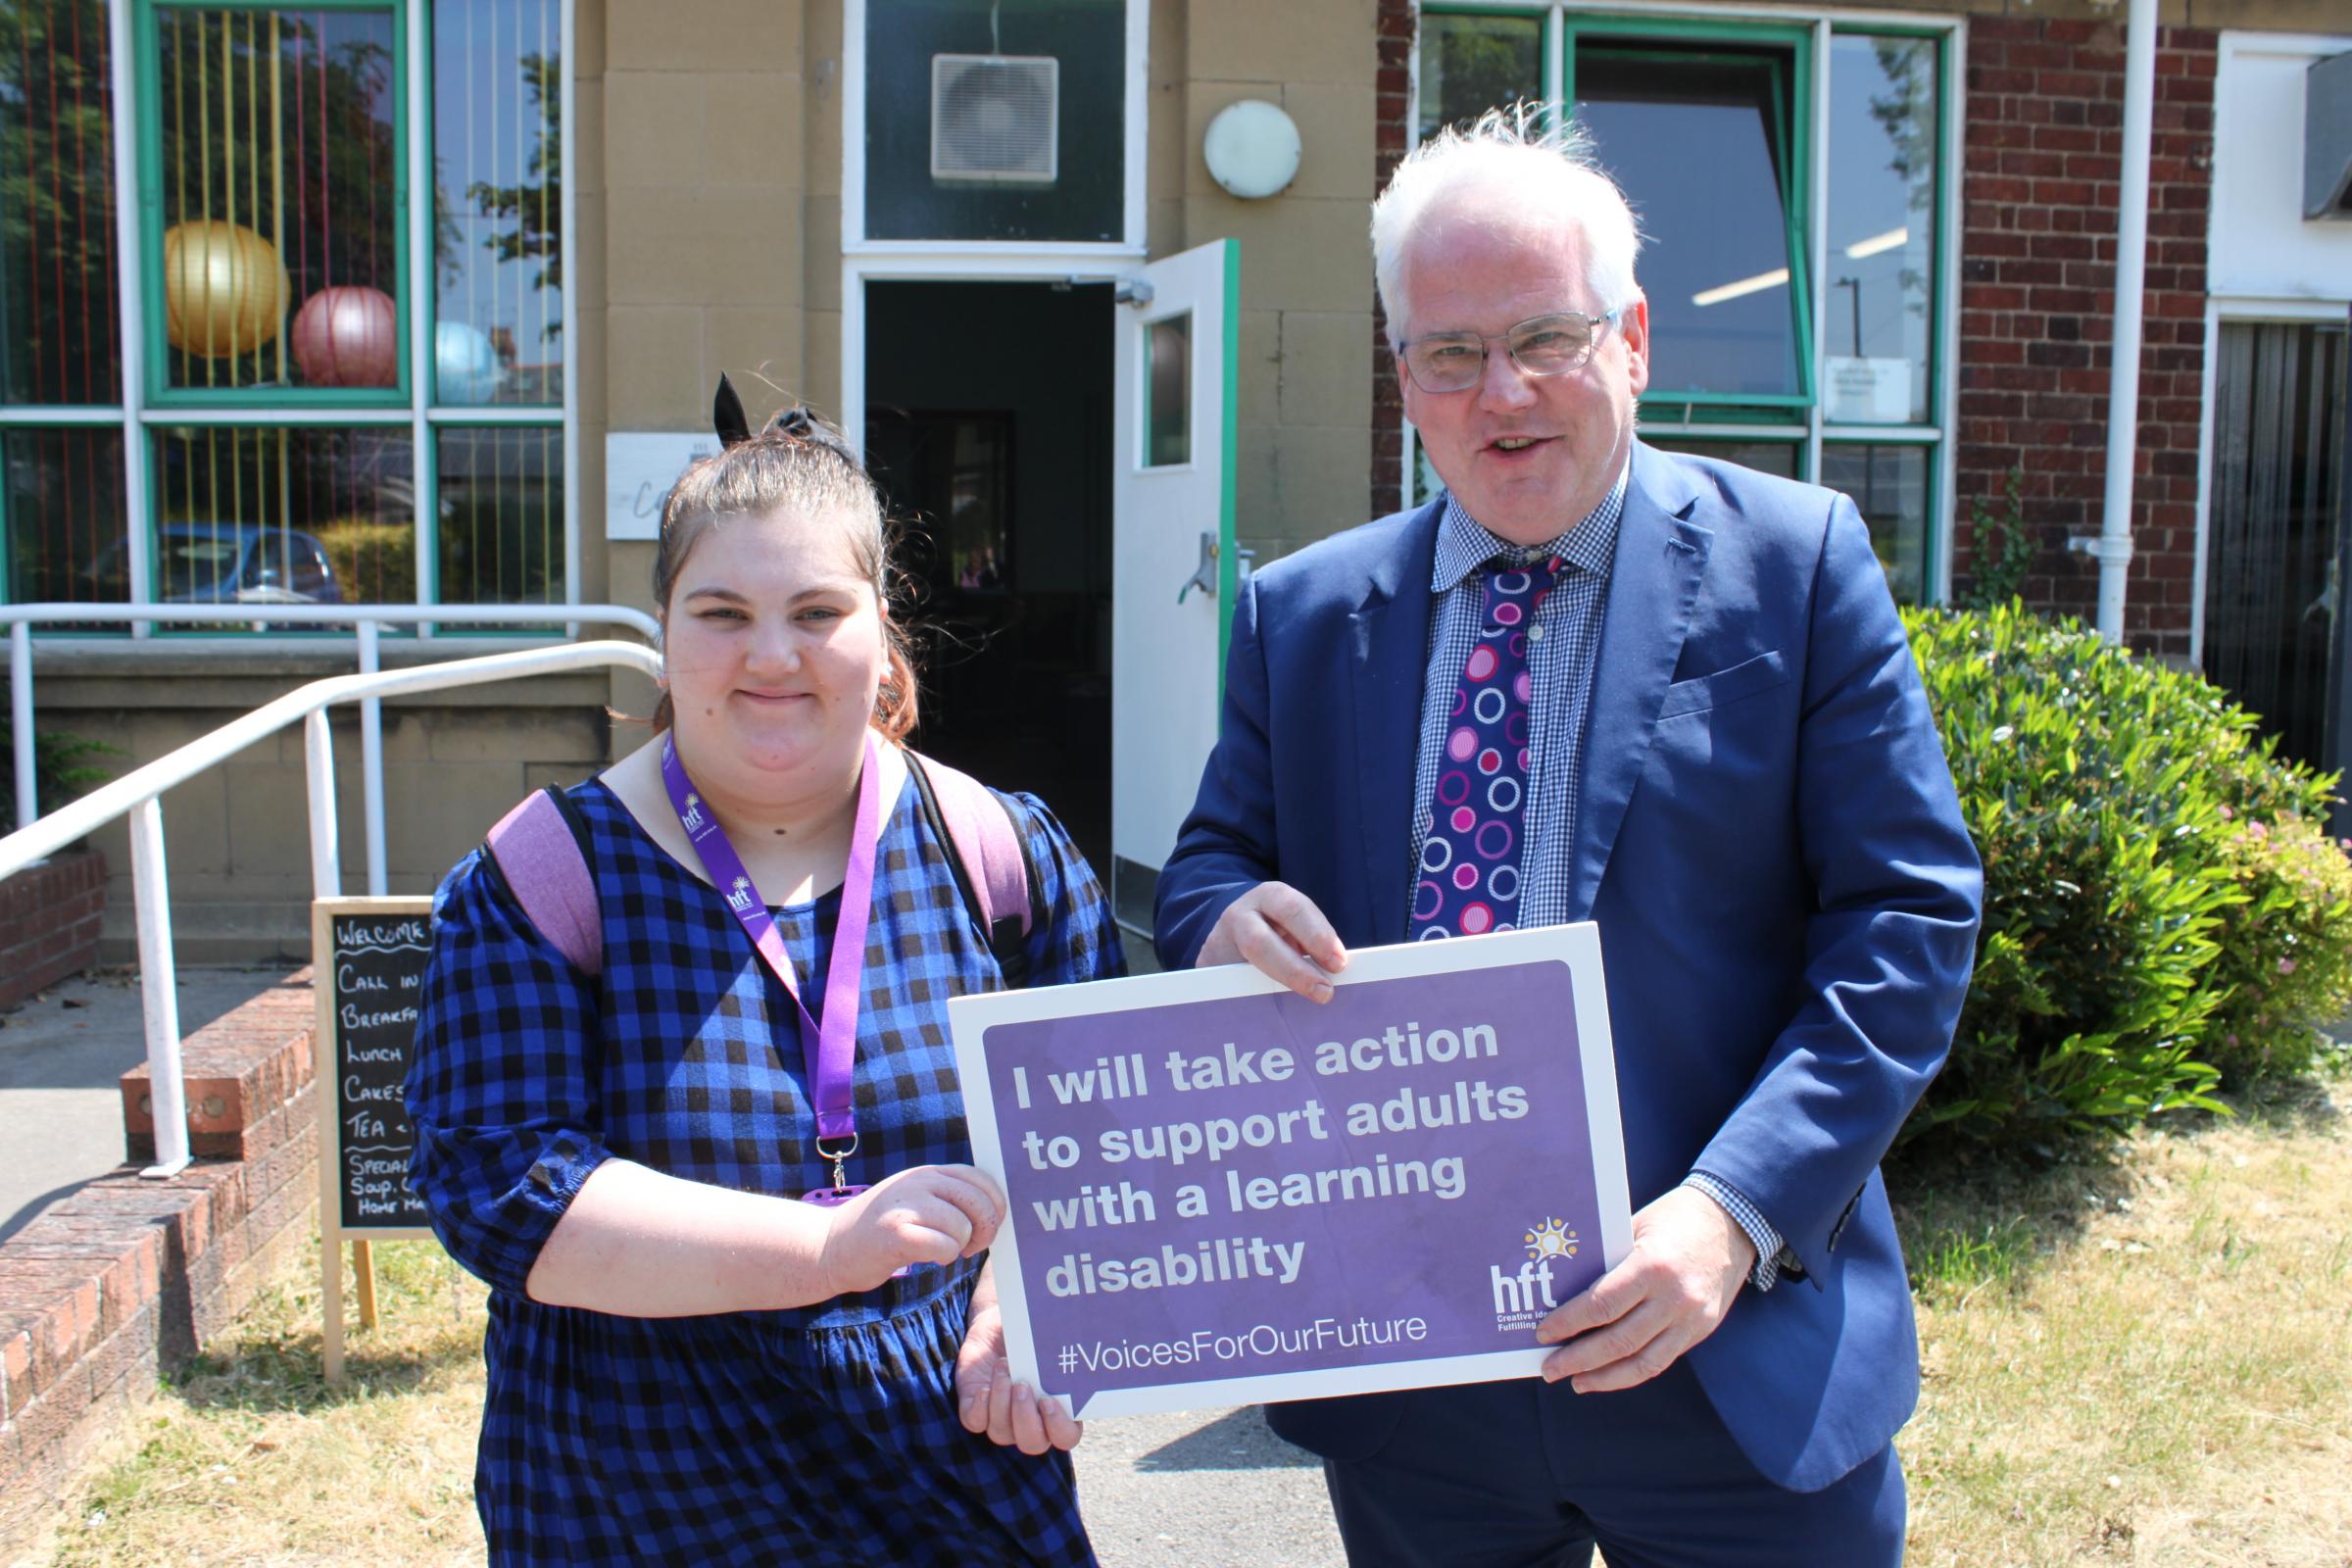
(1775, 278)
(1878, 242)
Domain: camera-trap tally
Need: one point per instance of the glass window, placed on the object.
(1698, 136)
(276, 168)
(1890, 484)
(498, 239)
(1782, 458)
(502, 516)
(1470, 64)
(1882, 119)
(1169, 392)
(60, 303)
(995, 122)
(300, 515)
(64, 513)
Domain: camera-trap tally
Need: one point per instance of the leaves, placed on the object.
(2136, 904)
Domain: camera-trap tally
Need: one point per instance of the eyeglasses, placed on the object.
(1541, 345)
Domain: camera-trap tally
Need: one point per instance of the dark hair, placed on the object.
(804, 468)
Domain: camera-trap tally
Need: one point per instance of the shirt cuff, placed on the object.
(1770, 1251)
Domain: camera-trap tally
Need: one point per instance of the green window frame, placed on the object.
(1701, 418)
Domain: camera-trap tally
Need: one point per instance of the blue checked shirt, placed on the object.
(826, 1435)
(1563, 644)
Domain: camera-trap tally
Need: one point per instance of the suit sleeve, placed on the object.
(1892, 942)
(1227, 844)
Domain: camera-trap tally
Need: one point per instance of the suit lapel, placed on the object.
(1388, 656)
(1661, 561)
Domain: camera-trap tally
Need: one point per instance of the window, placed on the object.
(350, 378)
(994, 123)
(1798, 323)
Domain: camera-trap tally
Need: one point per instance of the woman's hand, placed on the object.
(930, 1214)
(988, 1400)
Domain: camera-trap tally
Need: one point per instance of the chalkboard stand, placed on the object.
(328, 1046)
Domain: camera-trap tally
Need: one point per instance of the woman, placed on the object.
(691, 1361)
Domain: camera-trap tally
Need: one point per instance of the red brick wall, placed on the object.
(50, 916)
(2042, 158)
(1391, 125)
(125, 1278)
(2042, 155)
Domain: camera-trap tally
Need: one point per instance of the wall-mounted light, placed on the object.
(1251, 148)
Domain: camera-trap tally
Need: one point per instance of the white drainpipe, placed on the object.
(2113, 545)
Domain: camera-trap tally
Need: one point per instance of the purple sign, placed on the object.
(1388, 1190)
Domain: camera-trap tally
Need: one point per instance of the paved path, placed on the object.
(61, 1056)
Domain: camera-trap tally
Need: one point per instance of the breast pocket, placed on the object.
(1706, 693)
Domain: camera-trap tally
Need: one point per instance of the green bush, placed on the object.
(60, 769)
(2134, 918)
(2286, 965)
(375, 563)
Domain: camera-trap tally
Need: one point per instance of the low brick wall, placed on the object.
(50, 920)
(125, 1278)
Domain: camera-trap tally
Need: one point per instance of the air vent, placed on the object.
(2328, 139)
(993, 118)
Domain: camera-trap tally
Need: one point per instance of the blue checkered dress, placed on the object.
(826, 1435)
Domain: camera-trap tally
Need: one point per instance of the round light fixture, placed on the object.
(1251, 148)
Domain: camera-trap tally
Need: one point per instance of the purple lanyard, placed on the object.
(830, 1050)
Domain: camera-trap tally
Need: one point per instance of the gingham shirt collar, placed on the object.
(1464, 545)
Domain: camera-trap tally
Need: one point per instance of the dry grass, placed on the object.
(2144, 1361)
(248, 1457)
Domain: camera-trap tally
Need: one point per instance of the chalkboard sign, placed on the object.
(369, 977)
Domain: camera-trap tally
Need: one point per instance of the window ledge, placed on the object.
(212, 672)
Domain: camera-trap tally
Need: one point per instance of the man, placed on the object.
(1675, 696)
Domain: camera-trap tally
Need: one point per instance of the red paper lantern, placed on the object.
(348, 335)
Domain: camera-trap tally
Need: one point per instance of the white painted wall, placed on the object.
(2261, 247)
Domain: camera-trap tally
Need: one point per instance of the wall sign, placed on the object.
(640, 466)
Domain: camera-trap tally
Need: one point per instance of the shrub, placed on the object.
(2286, 965)
(2079, 776)
(60, 769)
(375, 563)
(2159, 911)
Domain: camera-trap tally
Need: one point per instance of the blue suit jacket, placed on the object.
(1768, 838)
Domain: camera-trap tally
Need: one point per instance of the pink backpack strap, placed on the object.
(980, 824)
(548, 874)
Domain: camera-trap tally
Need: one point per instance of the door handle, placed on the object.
(1205, 573)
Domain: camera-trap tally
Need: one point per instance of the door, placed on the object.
(1174, 567)
(2273, 627)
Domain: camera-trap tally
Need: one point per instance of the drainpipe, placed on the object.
(2113, 543)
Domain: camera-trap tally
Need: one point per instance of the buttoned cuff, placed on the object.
(1770, 1252)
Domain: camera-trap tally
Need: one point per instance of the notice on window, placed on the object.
(1864, 391)
(1222, 1192)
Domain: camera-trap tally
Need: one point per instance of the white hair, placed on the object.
(1540, 160)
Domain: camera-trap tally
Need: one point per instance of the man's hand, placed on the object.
(1687, 1262)
(1278, 930)
(988, 1400)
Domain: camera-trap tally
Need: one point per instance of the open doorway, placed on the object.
(988, 426)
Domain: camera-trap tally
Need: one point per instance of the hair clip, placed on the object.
(727, 415)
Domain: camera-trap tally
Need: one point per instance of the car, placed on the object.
(226, 563)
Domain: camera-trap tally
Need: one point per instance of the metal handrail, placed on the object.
(365, 618)
(139, 792)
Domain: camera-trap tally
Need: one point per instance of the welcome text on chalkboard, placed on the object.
(379, 980)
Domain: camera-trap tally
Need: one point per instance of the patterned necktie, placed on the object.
(1470, 857)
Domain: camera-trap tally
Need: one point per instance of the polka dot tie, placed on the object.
(1470, 847)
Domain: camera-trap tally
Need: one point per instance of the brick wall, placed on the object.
(125, 1278)
(1392, 126)
(50, 917)
(2043, 159)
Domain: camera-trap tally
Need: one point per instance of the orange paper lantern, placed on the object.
(224, 288)
(347, 335)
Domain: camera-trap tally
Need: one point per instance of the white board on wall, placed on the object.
(640, 466)
(2259, 245)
